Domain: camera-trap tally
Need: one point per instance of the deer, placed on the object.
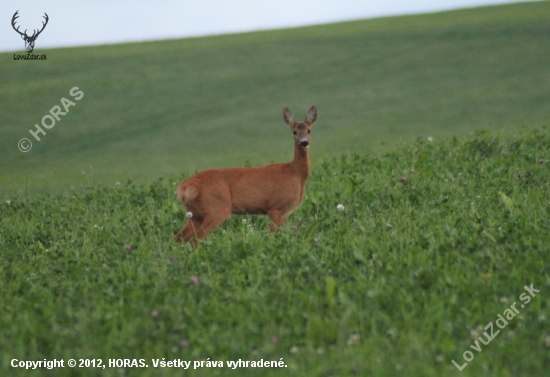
(211, 196)
(29, 40)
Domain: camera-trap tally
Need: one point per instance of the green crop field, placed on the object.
(159, 108)
(433, 134)
(435, 241)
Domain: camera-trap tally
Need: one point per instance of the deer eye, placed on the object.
(295, 133)
(308, 131)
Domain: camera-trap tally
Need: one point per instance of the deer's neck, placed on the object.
(301, 161)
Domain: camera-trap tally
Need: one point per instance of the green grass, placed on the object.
(162, 108)
(436, 239)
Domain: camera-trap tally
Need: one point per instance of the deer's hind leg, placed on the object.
(189, 231)
(211, 222)
(214, 208)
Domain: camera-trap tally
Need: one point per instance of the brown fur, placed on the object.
(272, 190)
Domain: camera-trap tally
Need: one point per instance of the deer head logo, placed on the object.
(29, 40)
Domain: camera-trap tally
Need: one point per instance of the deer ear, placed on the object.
(288, 117)
(311, 116)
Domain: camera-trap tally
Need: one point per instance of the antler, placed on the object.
(15, 17)
(36, 34)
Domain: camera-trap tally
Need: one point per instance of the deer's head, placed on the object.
(301, 131)
(29, 40)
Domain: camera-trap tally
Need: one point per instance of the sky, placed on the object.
(85, 22)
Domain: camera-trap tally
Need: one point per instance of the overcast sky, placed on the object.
(85, 22)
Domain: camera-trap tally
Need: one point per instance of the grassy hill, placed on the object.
(436, 240)
(162, 108)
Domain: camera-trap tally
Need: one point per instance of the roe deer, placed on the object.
(211, 196)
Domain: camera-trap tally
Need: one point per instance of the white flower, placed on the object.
(8, 201)
(353, 339)
(294, 350)
(117, 184)
(188, 215)
(430, 139)
(339, 207)
(244, 221)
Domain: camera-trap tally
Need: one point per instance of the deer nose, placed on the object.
(304, 143)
